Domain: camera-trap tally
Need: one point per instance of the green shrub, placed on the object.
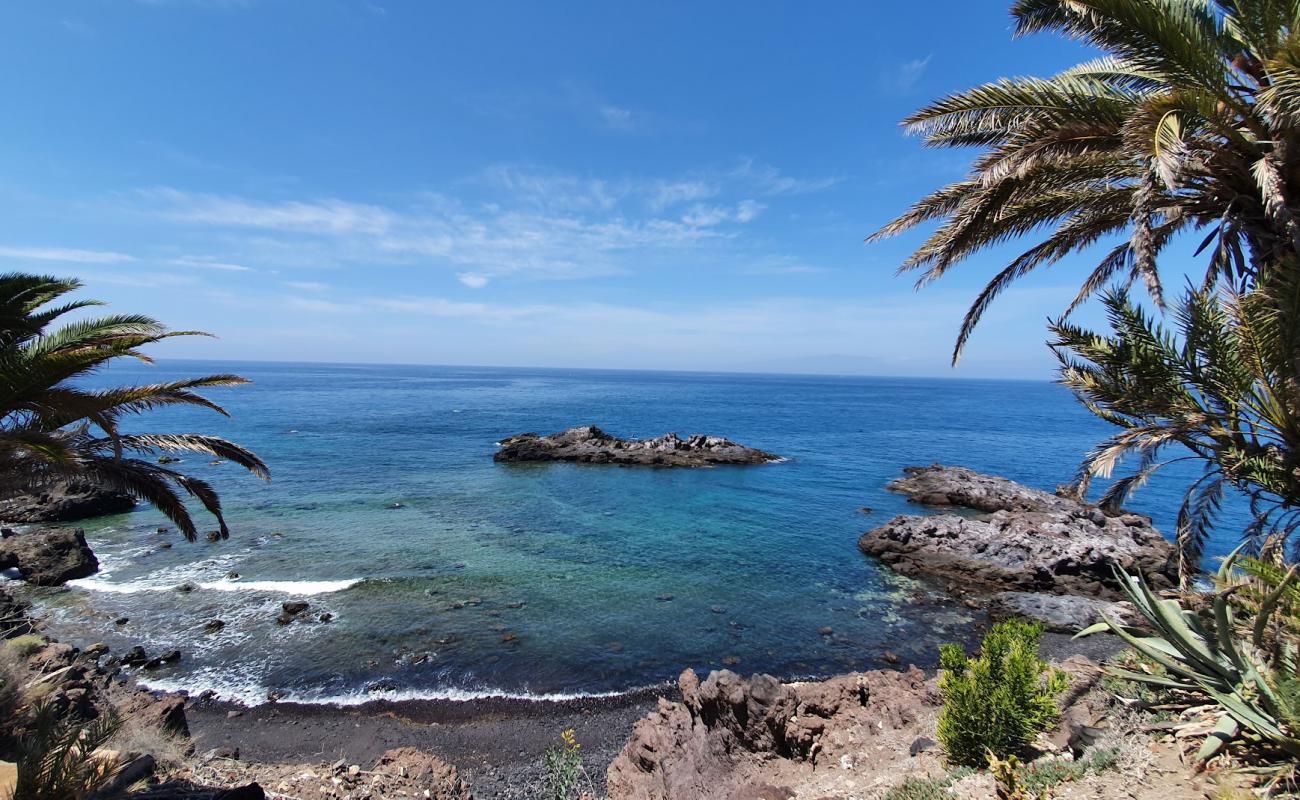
(23, 646)
(999, 701)
(1041, 776)
(564, 772)
(927, 788)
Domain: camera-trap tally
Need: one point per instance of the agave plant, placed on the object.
(1265, 584)
(1190, 120)
(1219, 384)
(1216, 660)
(54, 428)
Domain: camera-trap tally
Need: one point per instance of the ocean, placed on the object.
(450, 576)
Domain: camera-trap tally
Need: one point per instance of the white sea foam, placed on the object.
(299, 588)
(286, 587)
(234, 687)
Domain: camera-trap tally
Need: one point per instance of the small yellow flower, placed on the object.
(570, 738)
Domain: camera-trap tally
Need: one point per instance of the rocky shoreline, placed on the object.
(591, 445)
(1023, 553)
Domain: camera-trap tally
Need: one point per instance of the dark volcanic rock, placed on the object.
(707, 745)
(592, 445)
(64, 501)
(48, 557)
(1058, 552)
(1032, 541)
(939, 485)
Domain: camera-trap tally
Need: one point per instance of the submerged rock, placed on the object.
(49, 557)
(590, 444)
(1032, 542)
(1061, 613)
(64, 501)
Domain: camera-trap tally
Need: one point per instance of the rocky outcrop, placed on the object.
(590, 444)
(735, 738)
(1031, 541)
(48, 557)
(86, 684)
(940, 485)
(64, 501)
(1058, 552)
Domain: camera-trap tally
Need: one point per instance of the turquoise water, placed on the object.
(547, 579)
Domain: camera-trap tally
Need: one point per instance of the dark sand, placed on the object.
(497, 744)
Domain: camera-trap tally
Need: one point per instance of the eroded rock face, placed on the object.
(737, 738)
(940, 485)
(590, 444)
(64, 501)
(48, 557)
(1058, 552)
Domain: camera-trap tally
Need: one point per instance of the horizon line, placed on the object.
(750, 373)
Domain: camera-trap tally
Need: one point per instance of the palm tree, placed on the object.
(1187, 121)
(53, 429)
(1223, 384)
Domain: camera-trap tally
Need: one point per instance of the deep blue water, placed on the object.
(757, 559)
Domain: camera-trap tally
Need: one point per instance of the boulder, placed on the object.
(1060, 613)
(48, 557)
(64, 501)
(1058, 552)
(940, 485)
(590, 444)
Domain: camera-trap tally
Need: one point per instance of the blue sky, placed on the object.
(649, 185)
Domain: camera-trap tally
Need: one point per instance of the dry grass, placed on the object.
(23, 646)
(168, 749)
(12, 678)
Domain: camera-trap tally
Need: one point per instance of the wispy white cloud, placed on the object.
(321, 216)
(307, 286)
(208, 263)
(905, 76)
(705, 216)
(67, 254)
(782, 265)
(616, 118)
(768, 180)
(508, 220)
(666, 194)
(556, 191)
(748, 210)
(319, 306)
